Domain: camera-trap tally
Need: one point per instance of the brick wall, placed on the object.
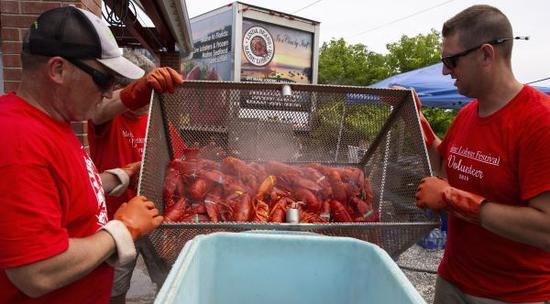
(15, 18)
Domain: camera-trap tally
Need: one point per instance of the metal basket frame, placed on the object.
(402, 223)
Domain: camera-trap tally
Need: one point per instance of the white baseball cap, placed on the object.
(75, 33)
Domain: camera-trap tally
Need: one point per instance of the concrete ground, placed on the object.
(143, 291)
(420, 267)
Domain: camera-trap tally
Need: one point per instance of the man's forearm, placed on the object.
(108, 109)
(436, 162)
(109, 181)
(81, 257)
(529, 225)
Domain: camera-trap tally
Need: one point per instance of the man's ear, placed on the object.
(57, 69)
(488, 53)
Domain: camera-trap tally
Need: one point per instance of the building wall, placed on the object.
(1, 72)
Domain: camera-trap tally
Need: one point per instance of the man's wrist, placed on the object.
(481, 207)
(122, 177)
(125, 247)
(136, 95)
(466, 205)
(429, 134)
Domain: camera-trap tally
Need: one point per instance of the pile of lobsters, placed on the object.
(232, 190)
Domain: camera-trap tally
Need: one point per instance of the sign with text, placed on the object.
(213, 51)
(272, 53)
(266, 100)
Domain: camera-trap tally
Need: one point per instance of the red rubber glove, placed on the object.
(427, 131)
(132, 169)
(138, 93)
(436, 193)
(139, 215)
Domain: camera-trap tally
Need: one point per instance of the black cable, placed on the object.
(119, 12)
(417, 269)
(309, 5)
(402, 18)
(539, 80)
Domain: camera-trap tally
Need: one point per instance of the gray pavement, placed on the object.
(416, 259)
(142, 289)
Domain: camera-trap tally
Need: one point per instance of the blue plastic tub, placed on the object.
(284, 268)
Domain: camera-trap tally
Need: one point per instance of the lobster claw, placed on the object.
(190, 153)
(209, 151)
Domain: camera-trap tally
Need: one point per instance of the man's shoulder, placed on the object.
(23, 125)
(529, 117)
(535, 96)
(535, 106)
(9, 103)
(467, 110)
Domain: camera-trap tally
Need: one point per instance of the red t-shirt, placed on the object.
(505, 158)
(50, 191)
(119, 142)
(115, 144)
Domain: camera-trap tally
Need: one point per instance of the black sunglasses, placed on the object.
(102, 80)
(451, 61)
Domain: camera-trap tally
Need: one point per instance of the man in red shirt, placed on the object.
(116, 136)
(57, 242)
(116, 132)
(496, 160)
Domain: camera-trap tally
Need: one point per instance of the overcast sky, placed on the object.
(376, 23)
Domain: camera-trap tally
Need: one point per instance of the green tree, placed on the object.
(440, 119)
(411, 53)
(353, 64)
(344, 64)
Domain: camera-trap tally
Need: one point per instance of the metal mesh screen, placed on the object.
(374, 129)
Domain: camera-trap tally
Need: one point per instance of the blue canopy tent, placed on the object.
(433, 88)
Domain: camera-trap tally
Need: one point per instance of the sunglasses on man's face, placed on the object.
(102, 80)
(451, 61)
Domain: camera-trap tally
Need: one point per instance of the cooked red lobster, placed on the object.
(203, 190)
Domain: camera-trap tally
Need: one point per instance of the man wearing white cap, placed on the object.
(58, 245)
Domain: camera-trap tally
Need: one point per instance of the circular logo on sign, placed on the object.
(258, 46)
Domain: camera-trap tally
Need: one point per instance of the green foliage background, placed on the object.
(341, 63)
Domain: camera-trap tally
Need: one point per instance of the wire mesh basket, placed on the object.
(376, 130)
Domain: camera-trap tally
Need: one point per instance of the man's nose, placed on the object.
(445, 70)
(108, 93)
